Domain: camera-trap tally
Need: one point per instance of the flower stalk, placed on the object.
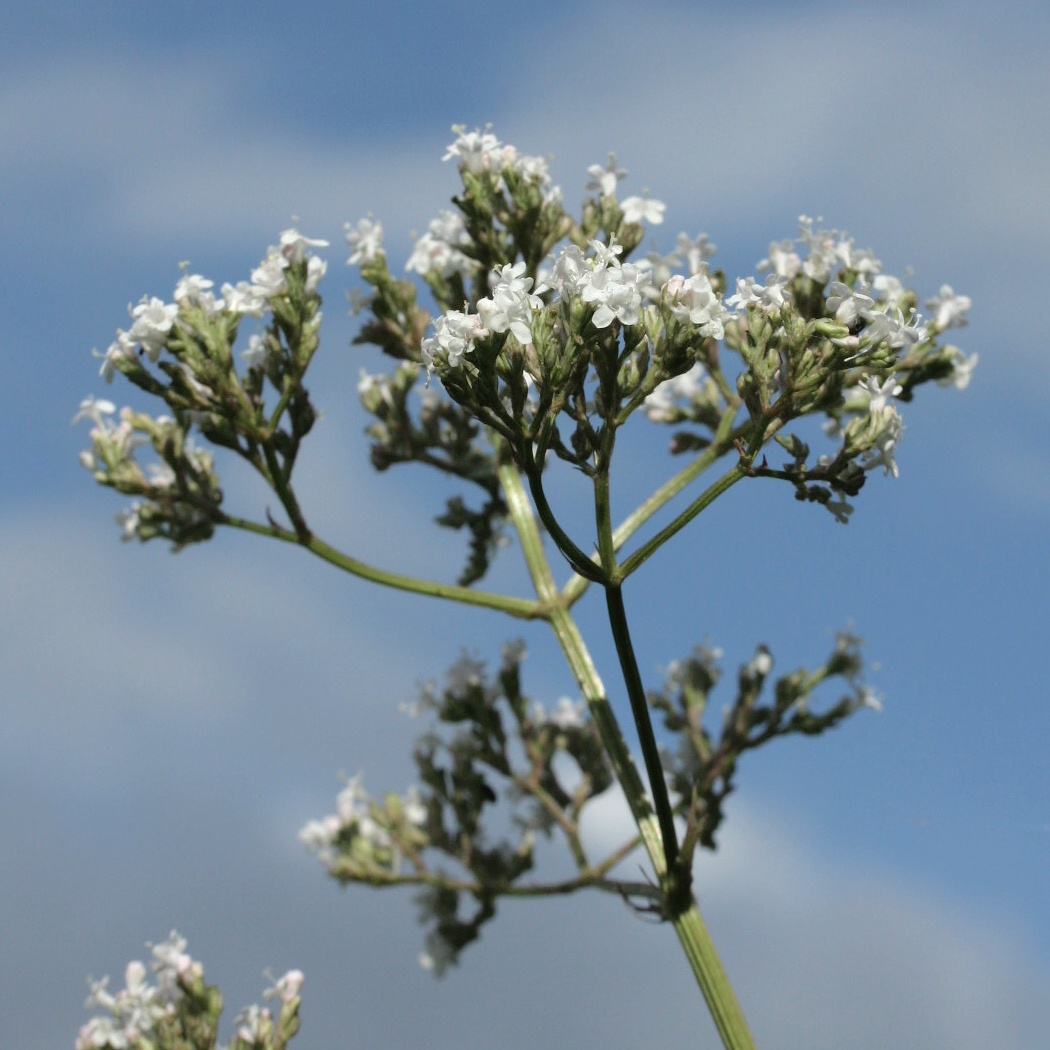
(550, 339)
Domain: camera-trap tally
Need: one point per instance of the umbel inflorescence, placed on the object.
(548, 335)
(549, 332)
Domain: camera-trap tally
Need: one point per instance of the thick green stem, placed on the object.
(580, 663)
(713, 980)
(687, 920)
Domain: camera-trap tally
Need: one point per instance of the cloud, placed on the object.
(753, 116)
(827, 953)
(161, 151)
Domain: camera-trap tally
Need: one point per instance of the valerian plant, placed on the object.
(548, 333)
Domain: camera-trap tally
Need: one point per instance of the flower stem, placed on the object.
(643, 723)
(696, 942)
(521, 608)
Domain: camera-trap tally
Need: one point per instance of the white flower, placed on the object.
(413, 808)
(861, 260)
(510, 305)
(316, 268)
(318, 835)
(826, 249)
(569, 269)
(287, 987)
(365, 239)
(161, 475)
(368, 382)
(244, 298)
(693, 299)
(476, 150)
(877, 395)
(642, 209)
(437, 251)
(153, 319)
(258, 351)
(604, 180)
(890, 288)
(949, 309)
(840, 507)
(454, 334)
(848, 304)
(294, 246)
(102, 1032)
(95, 409)
(268, 278)
(695, 250)
(171, 965)
(962, 369)
(760, 664)
(782, 259)
(195, 290)
(606, 254)
(890, 427)
(891, 328)
(768, 297)
(869, 698)
(616, 292)
(249, 1023)
(123, 348)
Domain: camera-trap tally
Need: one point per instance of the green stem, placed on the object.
(704, 500)
(520, 608)
(580, 562)
(279, 482)
(643, 723)
(713, 980)
(688, 923)
(580, 663)
(723, 442)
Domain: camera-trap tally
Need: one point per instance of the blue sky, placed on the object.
(168, 723)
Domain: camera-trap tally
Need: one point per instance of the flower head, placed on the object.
(152, 321)
(365, 238)
(454, 335)
(294, 246)
(642, 209)
(476, 150)
(949, 309)
(693, 299)
(604, 180)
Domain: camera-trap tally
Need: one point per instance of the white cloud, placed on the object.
(724, 116)
(828, 954)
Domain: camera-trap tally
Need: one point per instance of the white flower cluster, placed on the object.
(872, 305)
(438, 251)
(616, 291)
(153, 319)
(480, 151)
(134, 1010)
(510, 306)
(877, 418)
(454, 335)
(365, 238)
(354, 813)
(694, 300)
(120, 437)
